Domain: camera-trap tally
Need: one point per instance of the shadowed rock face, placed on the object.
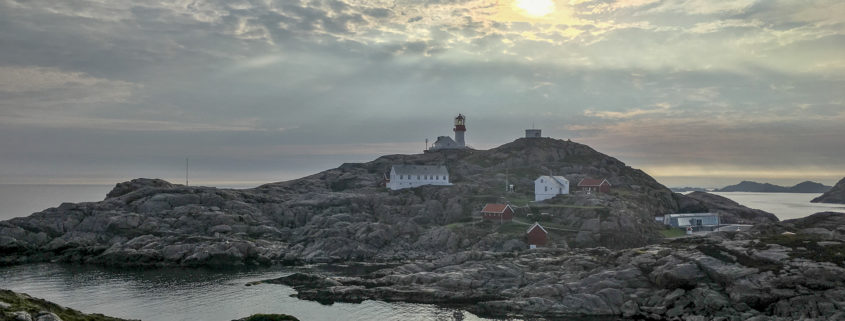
(762, 273)
(346, 214)
(730, 212)
(834, 195)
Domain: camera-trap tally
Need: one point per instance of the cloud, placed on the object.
(641, 79)
(49, 90)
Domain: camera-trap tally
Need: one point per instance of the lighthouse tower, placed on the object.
(460, 129)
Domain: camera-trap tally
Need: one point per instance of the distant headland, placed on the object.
(755, 187)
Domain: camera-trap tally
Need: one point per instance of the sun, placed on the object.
(536, 8)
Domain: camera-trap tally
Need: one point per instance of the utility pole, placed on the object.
(507, 186)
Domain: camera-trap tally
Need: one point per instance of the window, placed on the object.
(418, 176)
(545, 188)
(401, 176)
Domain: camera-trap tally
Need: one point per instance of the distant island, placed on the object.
(749, 186)
(687, 189)
(835, 195)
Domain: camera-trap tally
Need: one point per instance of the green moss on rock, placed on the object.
(34, 306)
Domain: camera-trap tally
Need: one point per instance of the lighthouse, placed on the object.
(446, 142)
(460, 129)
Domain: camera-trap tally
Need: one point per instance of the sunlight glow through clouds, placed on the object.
(537, 8)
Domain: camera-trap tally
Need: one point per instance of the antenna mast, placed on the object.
(186, 171)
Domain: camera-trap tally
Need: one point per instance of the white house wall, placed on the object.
(548, 188)
(410, 181)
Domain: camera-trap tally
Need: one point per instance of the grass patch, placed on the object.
(673, 232)
(511, 228)
(585, 207)
(457, 225)
(518, 200)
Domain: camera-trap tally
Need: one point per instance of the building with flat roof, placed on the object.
(698, 221)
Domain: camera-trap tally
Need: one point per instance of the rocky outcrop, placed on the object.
(22, 307)
(834, 195)
(730, 212)
(346, 214)
(268, 317)
(779, 271)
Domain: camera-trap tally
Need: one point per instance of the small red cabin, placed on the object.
(500, 212)
(536, 235)
(590, 185)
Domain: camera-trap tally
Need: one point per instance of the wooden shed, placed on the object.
(590, 185)
(536, 236)
(498, 212)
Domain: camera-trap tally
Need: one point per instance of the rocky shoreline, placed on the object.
(835, 195)
(785, 271)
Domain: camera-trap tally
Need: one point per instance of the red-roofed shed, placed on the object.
(501, 212)
(590, 185)
(536, 235)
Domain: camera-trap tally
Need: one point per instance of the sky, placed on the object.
(694, 92)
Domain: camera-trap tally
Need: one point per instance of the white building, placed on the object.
(408, 176)
(533, 133)
(546, 187)
(446, 142)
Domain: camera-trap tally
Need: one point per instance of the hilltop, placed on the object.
(346, 213)
(834, 195)
(754, 187)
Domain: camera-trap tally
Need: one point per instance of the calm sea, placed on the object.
(195, 294)
(23, 200)
(784, 205)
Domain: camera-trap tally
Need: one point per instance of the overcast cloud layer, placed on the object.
(695, 92)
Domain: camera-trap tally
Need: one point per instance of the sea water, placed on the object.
(784, 205)
(174, 294)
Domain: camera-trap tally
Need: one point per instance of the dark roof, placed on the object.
(420, 170)
(495, 208)
(558, 179)
(592, 182)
